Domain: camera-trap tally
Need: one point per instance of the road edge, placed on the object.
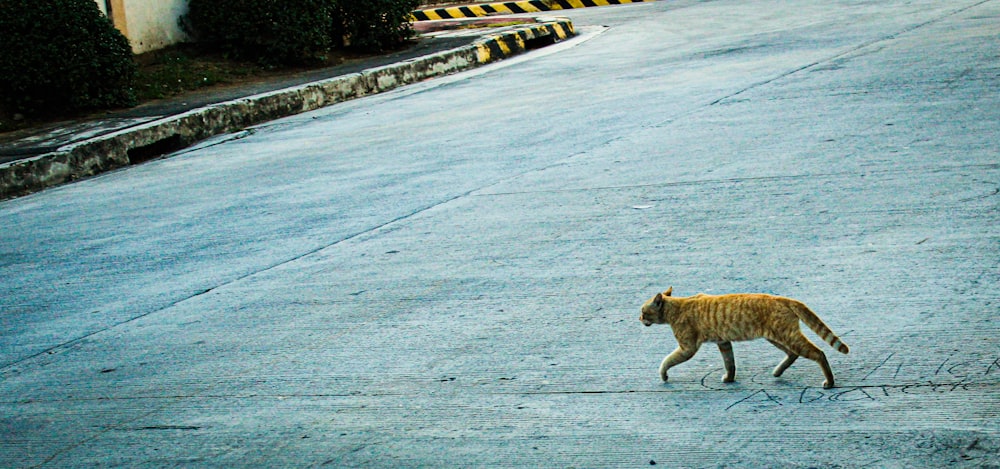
(143, 142)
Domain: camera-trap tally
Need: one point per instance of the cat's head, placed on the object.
(652, 310)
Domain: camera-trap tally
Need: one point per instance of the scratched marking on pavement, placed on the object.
(951, 374)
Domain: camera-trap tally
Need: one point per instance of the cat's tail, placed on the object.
(819, 327)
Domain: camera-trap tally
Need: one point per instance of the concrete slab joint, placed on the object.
(149, 140)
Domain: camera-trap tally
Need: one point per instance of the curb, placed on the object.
(150, 140)
(510, 8)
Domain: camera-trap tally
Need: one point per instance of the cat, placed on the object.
(745, 316)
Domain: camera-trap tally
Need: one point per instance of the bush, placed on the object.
(374, 25)
(62, 56)
(300, 32)
(273, 32)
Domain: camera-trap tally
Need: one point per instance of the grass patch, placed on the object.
(178, 69)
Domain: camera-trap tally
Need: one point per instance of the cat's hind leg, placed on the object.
(678, 356)
(729, 361)
(806, 348)
(787, 362)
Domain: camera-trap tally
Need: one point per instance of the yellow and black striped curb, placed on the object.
(141, 142)
(514, 42)
(508, 8)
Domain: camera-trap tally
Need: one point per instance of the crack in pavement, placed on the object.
(852, 50)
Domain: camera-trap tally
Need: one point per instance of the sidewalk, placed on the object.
(73, 150)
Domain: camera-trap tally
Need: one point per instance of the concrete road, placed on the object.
(450, 274)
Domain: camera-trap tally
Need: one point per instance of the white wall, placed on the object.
(152, 24)
(148, 24)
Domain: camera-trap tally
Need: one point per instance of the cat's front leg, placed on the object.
(678, 356)
(729, 361)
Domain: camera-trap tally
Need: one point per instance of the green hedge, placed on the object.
(60, 57)
(374, 25)
(281, 32)
(275, 32)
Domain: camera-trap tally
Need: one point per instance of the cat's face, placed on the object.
(651, 310)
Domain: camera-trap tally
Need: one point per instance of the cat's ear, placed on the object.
(658, 300)
(669, 291)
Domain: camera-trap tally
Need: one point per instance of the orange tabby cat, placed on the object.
(746, 316)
